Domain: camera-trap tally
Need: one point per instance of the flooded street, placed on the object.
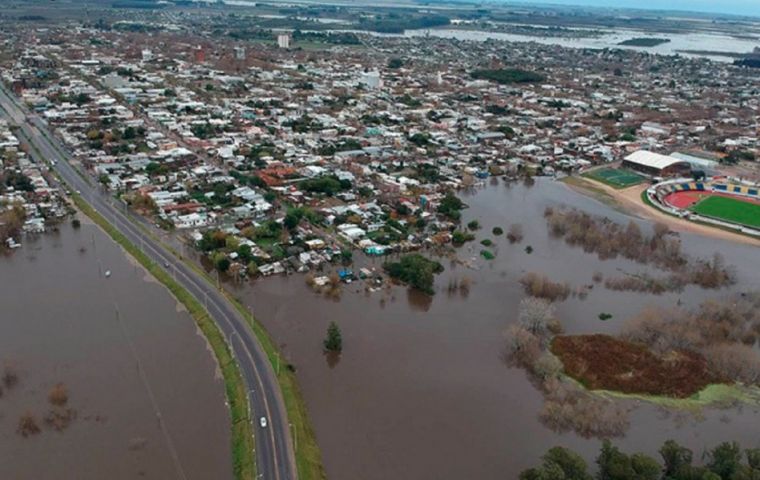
(421, 390)
(148, 400)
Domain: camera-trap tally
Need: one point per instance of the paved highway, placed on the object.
(275, 458)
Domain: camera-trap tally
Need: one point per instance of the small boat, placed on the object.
(108, 273)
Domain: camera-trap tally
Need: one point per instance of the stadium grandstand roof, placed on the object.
(652, 160)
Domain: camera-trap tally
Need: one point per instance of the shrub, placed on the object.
(487, 255)
(547, 366)
(540, 286)
(221, 262)
(535, 314)
(27, 425)
(719, 330)
(459, 237)
(515, 233)
(523, 348)
(58, 395)
(734, 361)
(569, 409)
(10, 377)
(59, 419)
(609, 240)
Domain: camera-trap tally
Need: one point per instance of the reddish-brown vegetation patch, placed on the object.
(601, 362)
(58, 395)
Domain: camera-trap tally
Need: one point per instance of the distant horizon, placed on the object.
(729, 7)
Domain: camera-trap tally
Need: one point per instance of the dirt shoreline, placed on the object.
(630, 199)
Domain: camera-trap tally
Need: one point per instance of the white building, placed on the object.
(371, 80)
(191, 220)
(239, 53)
(283, 40)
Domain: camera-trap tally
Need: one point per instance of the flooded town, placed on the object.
(398, 241)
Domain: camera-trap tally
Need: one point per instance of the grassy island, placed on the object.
(644, 42)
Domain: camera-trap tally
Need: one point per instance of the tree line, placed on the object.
(726, 461)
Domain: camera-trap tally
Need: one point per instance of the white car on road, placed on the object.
(263, 422)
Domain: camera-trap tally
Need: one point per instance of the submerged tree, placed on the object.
(334, 341)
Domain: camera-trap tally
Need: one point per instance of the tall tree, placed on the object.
(613, 464)
(573, 465)
(676, 458)
(725, 459)
(645, 467)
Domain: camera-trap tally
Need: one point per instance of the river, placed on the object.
(421, 390)
(610, 38)
(149, 402)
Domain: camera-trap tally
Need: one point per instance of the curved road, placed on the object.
(275, 458)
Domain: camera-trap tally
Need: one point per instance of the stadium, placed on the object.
(722, 201)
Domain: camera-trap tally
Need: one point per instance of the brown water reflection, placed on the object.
(421, 390)
(58, 324)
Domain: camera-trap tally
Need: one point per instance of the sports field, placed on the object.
(615, 177)
(730, 209)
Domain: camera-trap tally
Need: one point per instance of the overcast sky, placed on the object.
(736, 7)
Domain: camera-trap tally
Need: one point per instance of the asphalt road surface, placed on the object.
(275, 458)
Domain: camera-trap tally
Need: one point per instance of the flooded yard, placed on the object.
(142, 385)
(421, 390)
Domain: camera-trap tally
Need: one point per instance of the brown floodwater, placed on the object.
(421, 390)
(148, 400)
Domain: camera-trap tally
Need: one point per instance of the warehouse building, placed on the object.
(656, 165)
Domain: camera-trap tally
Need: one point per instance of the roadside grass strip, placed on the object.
(308, 455)
(307, 452)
